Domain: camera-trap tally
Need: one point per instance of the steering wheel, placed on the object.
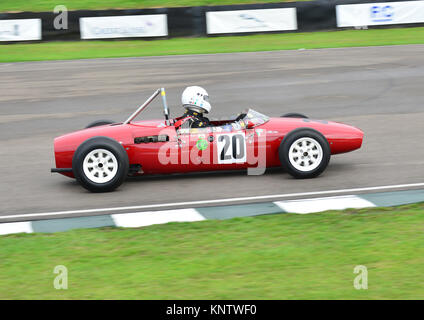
(240, 116)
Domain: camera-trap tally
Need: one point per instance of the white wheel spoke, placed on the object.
(305, 154)
(100, 166)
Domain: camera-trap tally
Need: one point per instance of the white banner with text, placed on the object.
(20, 30)
(381, 13)
(261, 20)
(154, 25)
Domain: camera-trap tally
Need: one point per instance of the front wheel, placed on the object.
(304, 153)
(100, 164)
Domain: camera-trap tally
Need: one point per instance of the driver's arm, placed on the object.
(200, 123)
(180, 121)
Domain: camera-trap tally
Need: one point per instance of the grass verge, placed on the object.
(268, 42)
(284, 256)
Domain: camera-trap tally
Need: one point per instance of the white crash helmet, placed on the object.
(197, 99)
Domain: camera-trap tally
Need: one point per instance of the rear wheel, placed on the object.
(304, 153)
(98, 123)
(100, 164)
(294, 115)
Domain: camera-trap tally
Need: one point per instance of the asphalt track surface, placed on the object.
(378, 89)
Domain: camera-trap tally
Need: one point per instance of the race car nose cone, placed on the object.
(350, 139)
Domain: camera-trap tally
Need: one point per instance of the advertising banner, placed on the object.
(260, 20)
(381, 13)
(20, 30)
(154, 25)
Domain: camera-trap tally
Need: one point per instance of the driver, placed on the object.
(196, 102)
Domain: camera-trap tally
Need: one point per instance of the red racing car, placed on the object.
(102, 155)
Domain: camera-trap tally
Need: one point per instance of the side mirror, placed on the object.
(250, 125)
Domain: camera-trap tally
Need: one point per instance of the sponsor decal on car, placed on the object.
(202, 144)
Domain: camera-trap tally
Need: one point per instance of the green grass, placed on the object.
(284, 256)
(48, 5)
(134, 48)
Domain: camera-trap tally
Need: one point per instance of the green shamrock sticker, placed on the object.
(202, 144)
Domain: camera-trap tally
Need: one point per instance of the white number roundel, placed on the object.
(231, 148)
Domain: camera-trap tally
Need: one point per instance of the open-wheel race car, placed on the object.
(102, 155)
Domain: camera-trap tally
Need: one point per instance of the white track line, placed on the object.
(141, 219)
(217, 201)
(15, 227)
(323, 204)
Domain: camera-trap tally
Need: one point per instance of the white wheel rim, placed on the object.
(305, 154)
(100, 166)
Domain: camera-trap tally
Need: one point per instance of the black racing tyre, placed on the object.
(294, 115)
(304, 153)
(100, 164)
(98, 123)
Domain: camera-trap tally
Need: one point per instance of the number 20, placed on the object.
(237, 153)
